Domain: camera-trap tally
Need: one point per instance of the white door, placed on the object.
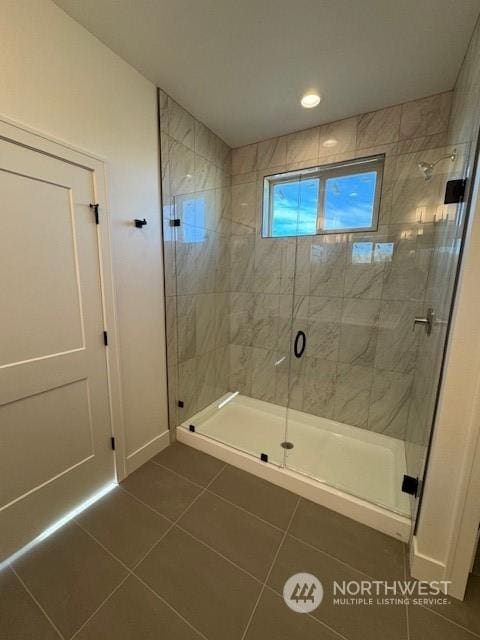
(55, 427)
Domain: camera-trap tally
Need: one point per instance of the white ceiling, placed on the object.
(241, 66)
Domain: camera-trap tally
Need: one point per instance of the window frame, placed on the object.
(323, 173)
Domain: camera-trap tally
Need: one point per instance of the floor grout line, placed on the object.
(267, 586)
(223, 497)
(310, 615)
(174, 523)
(209, 490)
(37, 603)
(131, 572)
(219, 553)
(145, 504)
(166, 603)
(250, 513)
(255, 606)
(93, 614)
(329, 555)
(455, 624)
(178, 474)
(285, 534)
(149, 507)
(105, 548)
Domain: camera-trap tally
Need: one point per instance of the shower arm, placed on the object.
(450, 156)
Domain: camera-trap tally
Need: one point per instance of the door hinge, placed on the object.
(94, 208)
(180, 404)
(105, 338)
(410, 485)
(112, 443)
(175, 222)
(264, 457)
(455, 191)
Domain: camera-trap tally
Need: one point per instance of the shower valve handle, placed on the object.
(427, 321)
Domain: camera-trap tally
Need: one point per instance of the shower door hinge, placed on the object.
(410, 485)
(455, 191)
(180, 404)
(94, 208)
(105, 338)
(192, 427)
(264, 457)
(175, 222)
(112, 443)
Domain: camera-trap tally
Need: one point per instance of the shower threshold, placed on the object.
(351, 470)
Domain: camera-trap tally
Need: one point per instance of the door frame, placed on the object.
(24, 135)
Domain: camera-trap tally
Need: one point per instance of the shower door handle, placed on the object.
(299, 347)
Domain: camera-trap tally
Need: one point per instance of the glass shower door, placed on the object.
(362, 393)
(432, 325)
(234, 310)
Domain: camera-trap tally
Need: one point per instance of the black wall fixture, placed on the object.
(455, 191)
(140, 223)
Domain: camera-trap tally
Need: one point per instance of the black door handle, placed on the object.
(298, 350)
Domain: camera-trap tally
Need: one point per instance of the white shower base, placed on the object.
(352, 470)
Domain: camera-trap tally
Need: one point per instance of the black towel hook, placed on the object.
(140, 223)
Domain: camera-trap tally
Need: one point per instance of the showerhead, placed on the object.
(427, 167)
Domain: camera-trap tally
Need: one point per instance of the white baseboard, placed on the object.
(423, 567)
(147, 451)
(362, 511)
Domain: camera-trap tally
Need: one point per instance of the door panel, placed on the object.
(50, 432)
(55, 423)
(44, 283)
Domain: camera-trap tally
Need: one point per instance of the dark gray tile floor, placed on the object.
(190, 548)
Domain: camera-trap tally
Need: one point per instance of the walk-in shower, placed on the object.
(300, 275)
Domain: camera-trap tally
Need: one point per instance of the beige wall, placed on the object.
(60, 80)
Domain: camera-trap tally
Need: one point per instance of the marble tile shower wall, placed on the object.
(355, 295)
(462, 134)
(195, 189)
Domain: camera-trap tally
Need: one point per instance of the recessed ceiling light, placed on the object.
(310, 100)
(331, 142)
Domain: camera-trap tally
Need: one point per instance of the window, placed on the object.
(335, 198)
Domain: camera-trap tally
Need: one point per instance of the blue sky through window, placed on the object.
(295, 208)
(349, 202)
